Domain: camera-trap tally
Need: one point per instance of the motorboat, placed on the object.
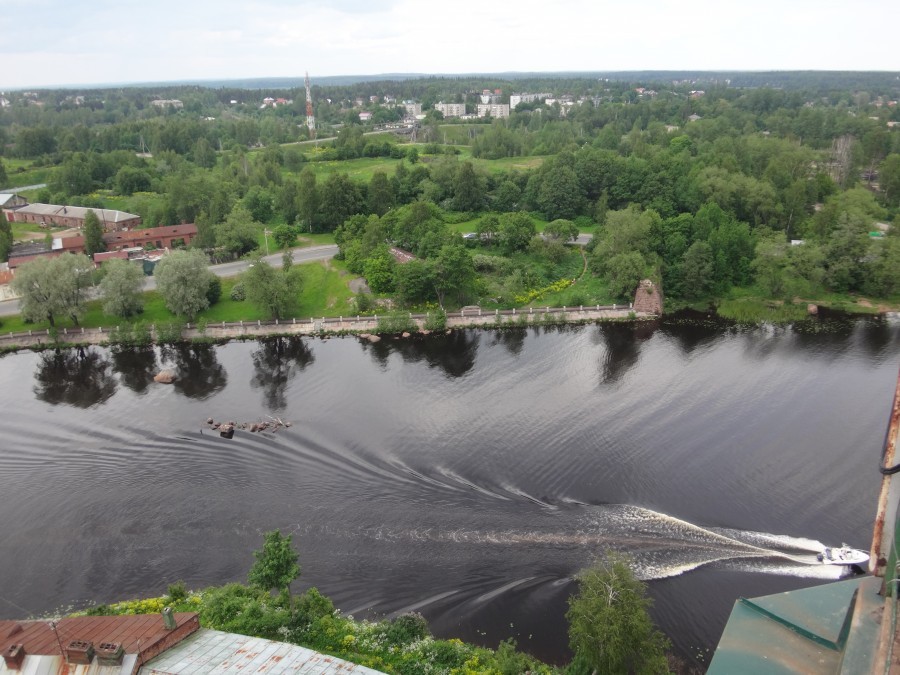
(842, 556)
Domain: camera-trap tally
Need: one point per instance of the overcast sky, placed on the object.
(62, 42)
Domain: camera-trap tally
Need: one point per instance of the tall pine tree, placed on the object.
(93, 234)
(6, 238)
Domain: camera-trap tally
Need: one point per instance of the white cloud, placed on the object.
(130, 40)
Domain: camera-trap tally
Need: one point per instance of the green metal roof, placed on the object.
(832, 628)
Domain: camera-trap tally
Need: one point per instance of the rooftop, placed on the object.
(105, 215)
(141, 638)
(212, 651)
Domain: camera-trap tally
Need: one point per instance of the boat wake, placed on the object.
(658, 545)
(662, 546)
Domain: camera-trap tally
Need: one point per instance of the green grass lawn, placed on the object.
(23, 172)
(361, 169)
(325, 292)
(141, 203)
(472, 225)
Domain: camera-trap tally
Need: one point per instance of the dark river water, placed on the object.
(466, 476)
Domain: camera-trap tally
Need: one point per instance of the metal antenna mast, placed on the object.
(310, 118)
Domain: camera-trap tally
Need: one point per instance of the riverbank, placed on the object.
(343, 325)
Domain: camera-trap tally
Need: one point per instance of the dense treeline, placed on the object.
(702, 192)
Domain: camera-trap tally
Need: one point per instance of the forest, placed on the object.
(774, 190)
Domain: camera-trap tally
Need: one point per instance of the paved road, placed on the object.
(230, 269)
(14, 190)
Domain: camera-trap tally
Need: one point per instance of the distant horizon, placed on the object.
(349, 79)
(104, 43)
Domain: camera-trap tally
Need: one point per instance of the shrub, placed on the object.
(436, 320)
(312, 606)
(397, 322)
(407, 628)
(131, 335)
(511, 662)
(238, 293)
(491, 263)
(364, 302)
(177, 591)
(169, 332)
(214, 292)
(235, 608)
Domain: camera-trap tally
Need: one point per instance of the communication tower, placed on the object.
(310, 118)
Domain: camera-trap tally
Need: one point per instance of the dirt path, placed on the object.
(359, 285)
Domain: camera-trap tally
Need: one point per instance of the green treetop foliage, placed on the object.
(380, 194)
(276, 564)
(53, 287)
(238, 234)
(285, 235)
(275, 291)
(561, 230)
(121, 288)
(93, 234)
(610, 630)
(6, 238)
(183, 279)
(515, 231)
(788, 160)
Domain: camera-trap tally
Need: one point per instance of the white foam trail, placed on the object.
(490, 595)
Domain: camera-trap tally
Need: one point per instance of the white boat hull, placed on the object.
(843, 556)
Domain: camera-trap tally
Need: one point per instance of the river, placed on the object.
(466, 476)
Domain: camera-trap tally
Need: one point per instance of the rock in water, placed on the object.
(165, 376)
(812, 309)
(374, 338)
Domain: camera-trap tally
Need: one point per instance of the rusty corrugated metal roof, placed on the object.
(142, 638)
(52, 665)
(38, 638)
(212, 651)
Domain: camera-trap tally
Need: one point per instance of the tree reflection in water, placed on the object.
(454, 353)
(276, 362)
(136, 367)
(199, 373)
(511, 338)
(79, 377)
(623, 347)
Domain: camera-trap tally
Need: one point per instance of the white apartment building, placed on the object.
(451, 109)
(412, 108)
(516, 99)
(493, 109)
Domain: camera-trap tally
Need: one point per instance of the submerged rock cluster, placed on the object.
(226, 429)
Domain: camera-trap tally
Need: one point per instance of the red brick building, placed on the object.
(72, 216)
(166, 237)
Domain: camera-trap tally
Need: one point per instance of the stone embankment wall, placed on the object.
(472, 318)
